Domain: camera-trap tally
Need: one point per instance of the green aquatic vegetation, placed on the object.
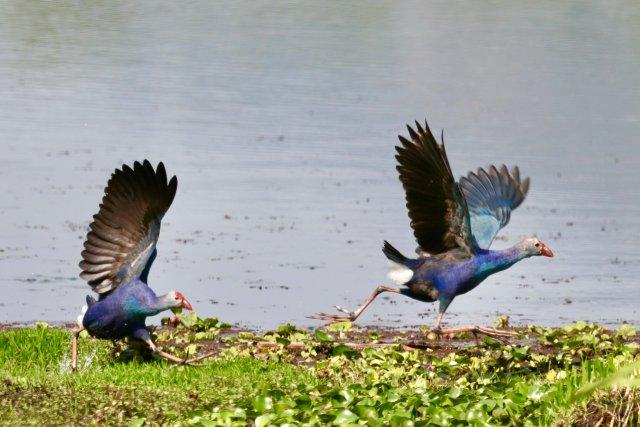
(340, 375)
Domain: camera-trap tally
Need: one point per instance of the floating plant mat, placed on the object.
(341, 374)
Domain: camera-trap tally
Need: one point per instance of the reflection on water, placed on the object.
(280, 123)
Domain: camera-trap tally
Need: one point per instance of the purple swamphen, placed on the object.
(118, 253)
(454, 224)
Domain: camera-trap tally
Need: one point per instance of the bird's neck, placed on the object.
(160, 304)
(494, 261)
(142, 301)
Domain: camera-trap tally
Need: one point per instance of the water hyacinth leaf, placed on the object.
(286, 329)
(471, 385)
(343, 350)
(262, 403)
(283, 341)
(283, 407)
(392, 396)
(233, 413)
(345, 417)
(346, 395)
(136, 422)
(366, 412)
(340, 327)
(322, 336)
(500, 414)
(400, 421)
(188, 320)
(455, 392)
(264, 420)
(626, 331)
(487, 404)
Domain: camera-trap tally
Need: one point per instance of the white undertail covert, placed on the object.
(398, 273)
(81, 315)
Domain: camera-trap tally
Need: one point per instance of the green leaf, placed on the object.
(345, 417)
(455, 392)
(340, 327)
(264, 420)
(343, 350)
(136, 422)
(626, 331)
(283, 341)
(322, 336)
(286, 329)
(262, 403)
(400, 421)
(367, 412)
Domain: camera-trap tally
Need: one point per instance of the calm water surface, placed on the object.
(280, 122)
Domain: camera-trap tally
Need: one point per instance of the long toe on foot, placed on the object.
(332, 317)
(345, 311)
(496, 332)
(491, 332)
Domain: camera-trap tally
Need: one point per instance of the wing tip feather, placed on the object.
(131, 191)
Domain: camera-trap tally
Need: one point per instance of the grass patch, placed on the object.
(335, 376)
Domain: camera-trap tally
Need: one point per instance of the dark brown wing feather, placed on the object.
(437, 208)
(125, 231)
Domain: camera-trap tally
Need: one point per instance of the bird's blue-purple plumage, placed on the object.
(453, 222)
(123, 312)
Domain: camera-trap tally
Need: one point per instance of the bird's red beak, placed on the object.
(187, 305)
(183, 301)
(545, 251)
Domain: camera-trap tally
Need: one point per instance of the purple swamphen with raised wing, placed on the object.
(118, 253)
(454, 224)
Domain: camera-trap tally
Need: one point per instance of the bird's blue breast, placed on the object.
(458, 278)
(120, 313)
(452, 278)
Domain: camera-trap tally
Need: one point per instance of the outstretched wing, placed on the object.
(437, 207)
(491, 196)
(121, 243)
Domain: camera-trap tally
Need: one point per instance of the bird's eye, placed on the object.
(537, 245)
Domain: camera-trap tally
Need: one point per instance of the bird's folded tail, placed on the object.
(90, 301)
(400, 273)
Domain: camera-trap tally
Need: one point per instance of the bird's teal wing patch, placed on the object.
(491, 196)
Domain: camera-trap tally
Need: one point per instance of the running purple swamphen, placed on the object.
(454, 224)
(118, 253)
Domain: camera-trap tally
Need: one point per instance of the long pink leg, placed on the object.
(439, 319)
(475, 330)
(164, 355)
(74, 349)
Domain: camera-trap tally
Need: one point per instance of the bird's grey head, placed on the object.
(175, 299)
(534, 247)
